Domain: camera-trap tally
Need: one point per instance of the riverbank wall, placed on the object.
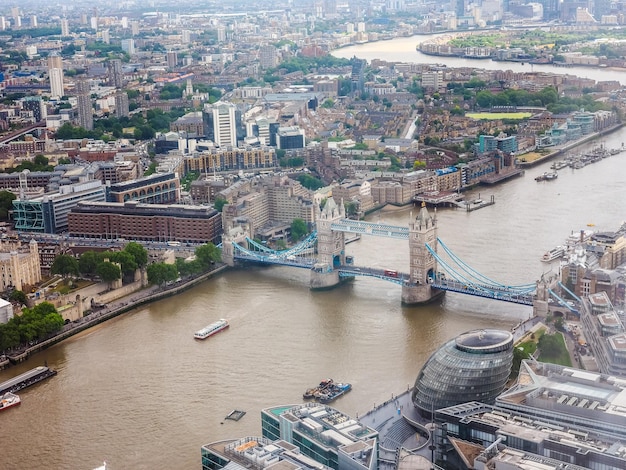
(139, 298)
(569, 146)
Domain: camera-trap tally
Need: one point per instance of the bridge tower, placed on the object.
(331, 246)
(422, 264)
(236, 234)
(541, 305)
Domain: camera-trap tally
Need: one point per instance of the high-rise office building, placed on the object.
(221, 123)
(3, 23)
(116, 76)
(134, 28)
(221, 34)
(33, 21)
(172, 59)
(37, 106)
(268, 56)
(128, 46)
(121, 104)
(65, 27)
(55, 73)
(84, 107)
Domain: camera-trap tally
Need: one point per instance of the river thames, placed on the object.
(141, 393)
(403, 50)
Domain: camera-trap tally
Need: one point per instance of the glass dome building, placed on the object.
(472, 367)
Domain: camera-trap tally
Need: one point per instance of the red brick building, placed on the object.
(147, 222)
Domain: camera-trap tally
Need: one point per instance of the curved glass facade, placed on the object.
(472, 367)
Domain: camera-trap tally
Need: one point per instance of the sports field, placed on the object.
(492, 116)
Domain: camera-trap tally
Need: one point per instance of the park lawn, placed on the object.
(66, 286)
(529, 347)
(562, 357)
(530, 156)
(493, 116)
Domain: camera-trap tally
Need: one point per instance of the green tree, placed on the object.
(352, 208)
(41, 160)
(19, 297)
(559, 324)
(188, 268)
(108, 271)
(9, 335)
(550, 345)
(518, 354)
(219, 203)
(125, 260)
(88, 262)
(208, 254)
(310, 182)
(160, 273)
(138, 252)
(38, 322)
(298, 229)
(6, 204)
(65, 265)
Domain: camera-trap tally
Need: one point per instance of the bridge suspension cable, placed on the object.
(305, 244)
(458, 276)
(564, 287)
(481, 277)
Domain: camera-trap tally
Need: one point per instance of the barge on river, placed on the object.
(26, 379)
(327, 391)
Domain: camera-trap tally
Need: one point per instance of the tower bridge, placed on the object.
(429, 275)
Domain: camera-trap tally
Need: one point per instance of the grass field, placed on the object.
(493, 116)
(561, 357)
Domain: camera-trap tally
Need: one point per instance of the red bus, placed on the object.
(391, 273)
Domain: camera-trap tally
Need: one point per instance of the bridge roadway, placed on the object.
(307, 263)
(489, 292)
(347, 271)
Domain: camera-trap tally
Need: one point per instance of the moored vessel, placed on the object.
(335, 392)
(27, 379)
(211, 329)
(316, 392)
(8, 400)
(576, 238)
(554, 253)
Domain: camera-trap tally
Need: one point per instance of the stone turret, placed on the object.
(422, 264)
(331, 247)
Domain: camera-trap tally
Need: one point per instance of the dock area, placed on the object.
(502, 176)
(439, 198)
(26, 379)
(476, 204)
(473, 206)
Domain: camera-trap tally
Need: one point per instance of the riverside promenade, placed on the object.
(561, 149)
(111, 310)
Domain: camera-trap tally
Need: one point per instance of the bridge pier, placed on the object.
(420, 294)
(324, 277)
